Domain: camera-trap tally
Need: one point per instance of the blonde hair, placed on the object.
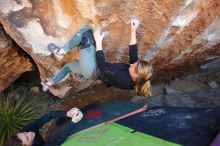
(142, 84)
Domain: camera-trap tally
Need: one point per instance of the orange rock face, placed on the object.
(174, 35)
(13, 61)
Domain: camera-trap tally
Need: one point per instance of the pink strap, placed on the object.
(116, 119)
(127, 115)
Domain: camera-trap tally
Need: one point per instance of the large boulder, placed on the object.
(13, 61)
(174, 35)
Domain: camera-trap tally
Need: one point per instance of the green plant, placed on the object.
(16, 113)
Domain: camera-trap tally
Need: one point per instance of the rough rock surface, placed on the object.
(13, 61)
(193, 99)
(174, 35)
(181, 86)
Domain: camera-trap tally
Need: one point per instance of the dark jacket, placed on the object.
(116, 74)
(53, 141)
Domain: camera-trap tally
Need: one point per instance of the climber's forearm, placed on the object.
(133, 39)
(98, 46)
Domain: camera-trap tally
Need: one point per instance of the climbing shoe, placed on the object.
(55, 51)
(45, 86)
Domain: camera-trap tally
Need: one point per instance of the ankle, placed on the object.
(48, 83)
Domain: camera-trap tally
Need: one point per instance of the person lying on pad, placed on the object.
(29, 135)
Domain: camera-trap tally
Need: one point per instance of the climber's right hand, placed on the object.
(98, 36)
(134, 24)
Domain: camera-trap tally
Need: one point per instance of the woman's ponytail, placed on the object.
(143, 84)
(146, 89)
